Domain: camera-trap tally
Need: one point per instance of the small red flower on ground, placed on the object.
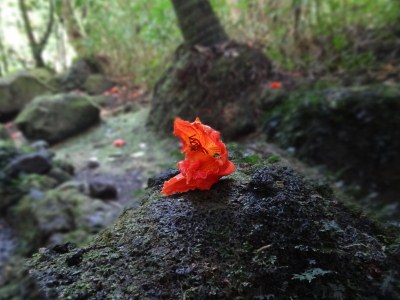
(276, 85)
(206, 158)
(119, 143)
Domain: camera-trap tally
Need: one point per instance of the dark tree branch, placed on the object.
(37, 47)
(49, 27)
(27, 24)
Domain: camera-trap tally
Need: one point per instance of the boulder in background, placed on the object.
(54, 118)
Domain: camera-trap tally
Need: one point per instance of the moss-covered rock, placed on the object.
(28, 170)
(96, 84)
(6, 108)
(78, 73)
(19, 89)
(355, 132)
(3, 133)
(42, 218)
(55, 118)
(7, 153)
(221, 85)
(261, 234)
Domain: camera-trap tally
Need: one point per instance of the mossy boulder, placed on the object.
(354, 132)
(8, 152)
(54, 118)
(3, 133)
(221, 85)
(79, 72)
(263, 233)
(54, 216)
(96, 84)
(6, 105)
(21, 88)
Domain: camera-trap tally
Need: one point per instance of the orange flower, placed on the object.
(206, 158)
(276, 85)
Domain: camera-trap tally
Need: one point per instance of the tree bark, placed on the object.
(74, 31)
(3, 58)
(3, 55)
(37, 47)
(198, 23)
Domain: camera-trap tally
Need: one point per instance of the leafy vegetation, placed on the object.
(137, 37)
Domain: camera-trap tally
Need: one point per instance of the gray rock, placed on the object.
(352, 131)
(55, 118)
(3, 133)
(40, 145)
(75, 77)
(6, 106)
(96, 84)
(234, 241)
(102, 189)
(64, 213)
(18, 90)
(34, 163)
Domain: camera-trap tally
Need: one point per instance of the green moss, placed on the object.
(351, 131)
(273, 159)
(246, 237)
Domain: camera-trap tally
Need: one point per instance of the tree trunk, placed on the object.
(198, 22)
(74, 31)
(3, 54)
(37, 47)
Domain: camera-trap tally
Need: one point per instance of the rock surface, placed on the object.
(3, 133)
(352, 131)
(79, 73)
(57, 216)
(21, 88)
(96, 84)
(55, 118)
(33, 163)
(221, 85)
(102, 189)
(264, 233)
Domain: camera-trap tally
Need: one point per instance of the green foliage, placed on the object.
(313, 35)
(135, 36)
(138, 37)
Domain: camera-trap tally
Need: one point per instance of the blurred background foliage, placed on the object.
(137, 37)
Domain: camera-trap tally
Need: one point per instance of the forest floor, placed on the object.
(94, 154)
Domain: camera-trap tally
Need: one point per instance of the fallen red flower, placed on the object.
(206, 158)
(119, 143)
(276, 85)
(14, 135)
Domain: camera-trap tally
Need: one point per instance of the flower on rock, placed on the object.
(206, 158)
